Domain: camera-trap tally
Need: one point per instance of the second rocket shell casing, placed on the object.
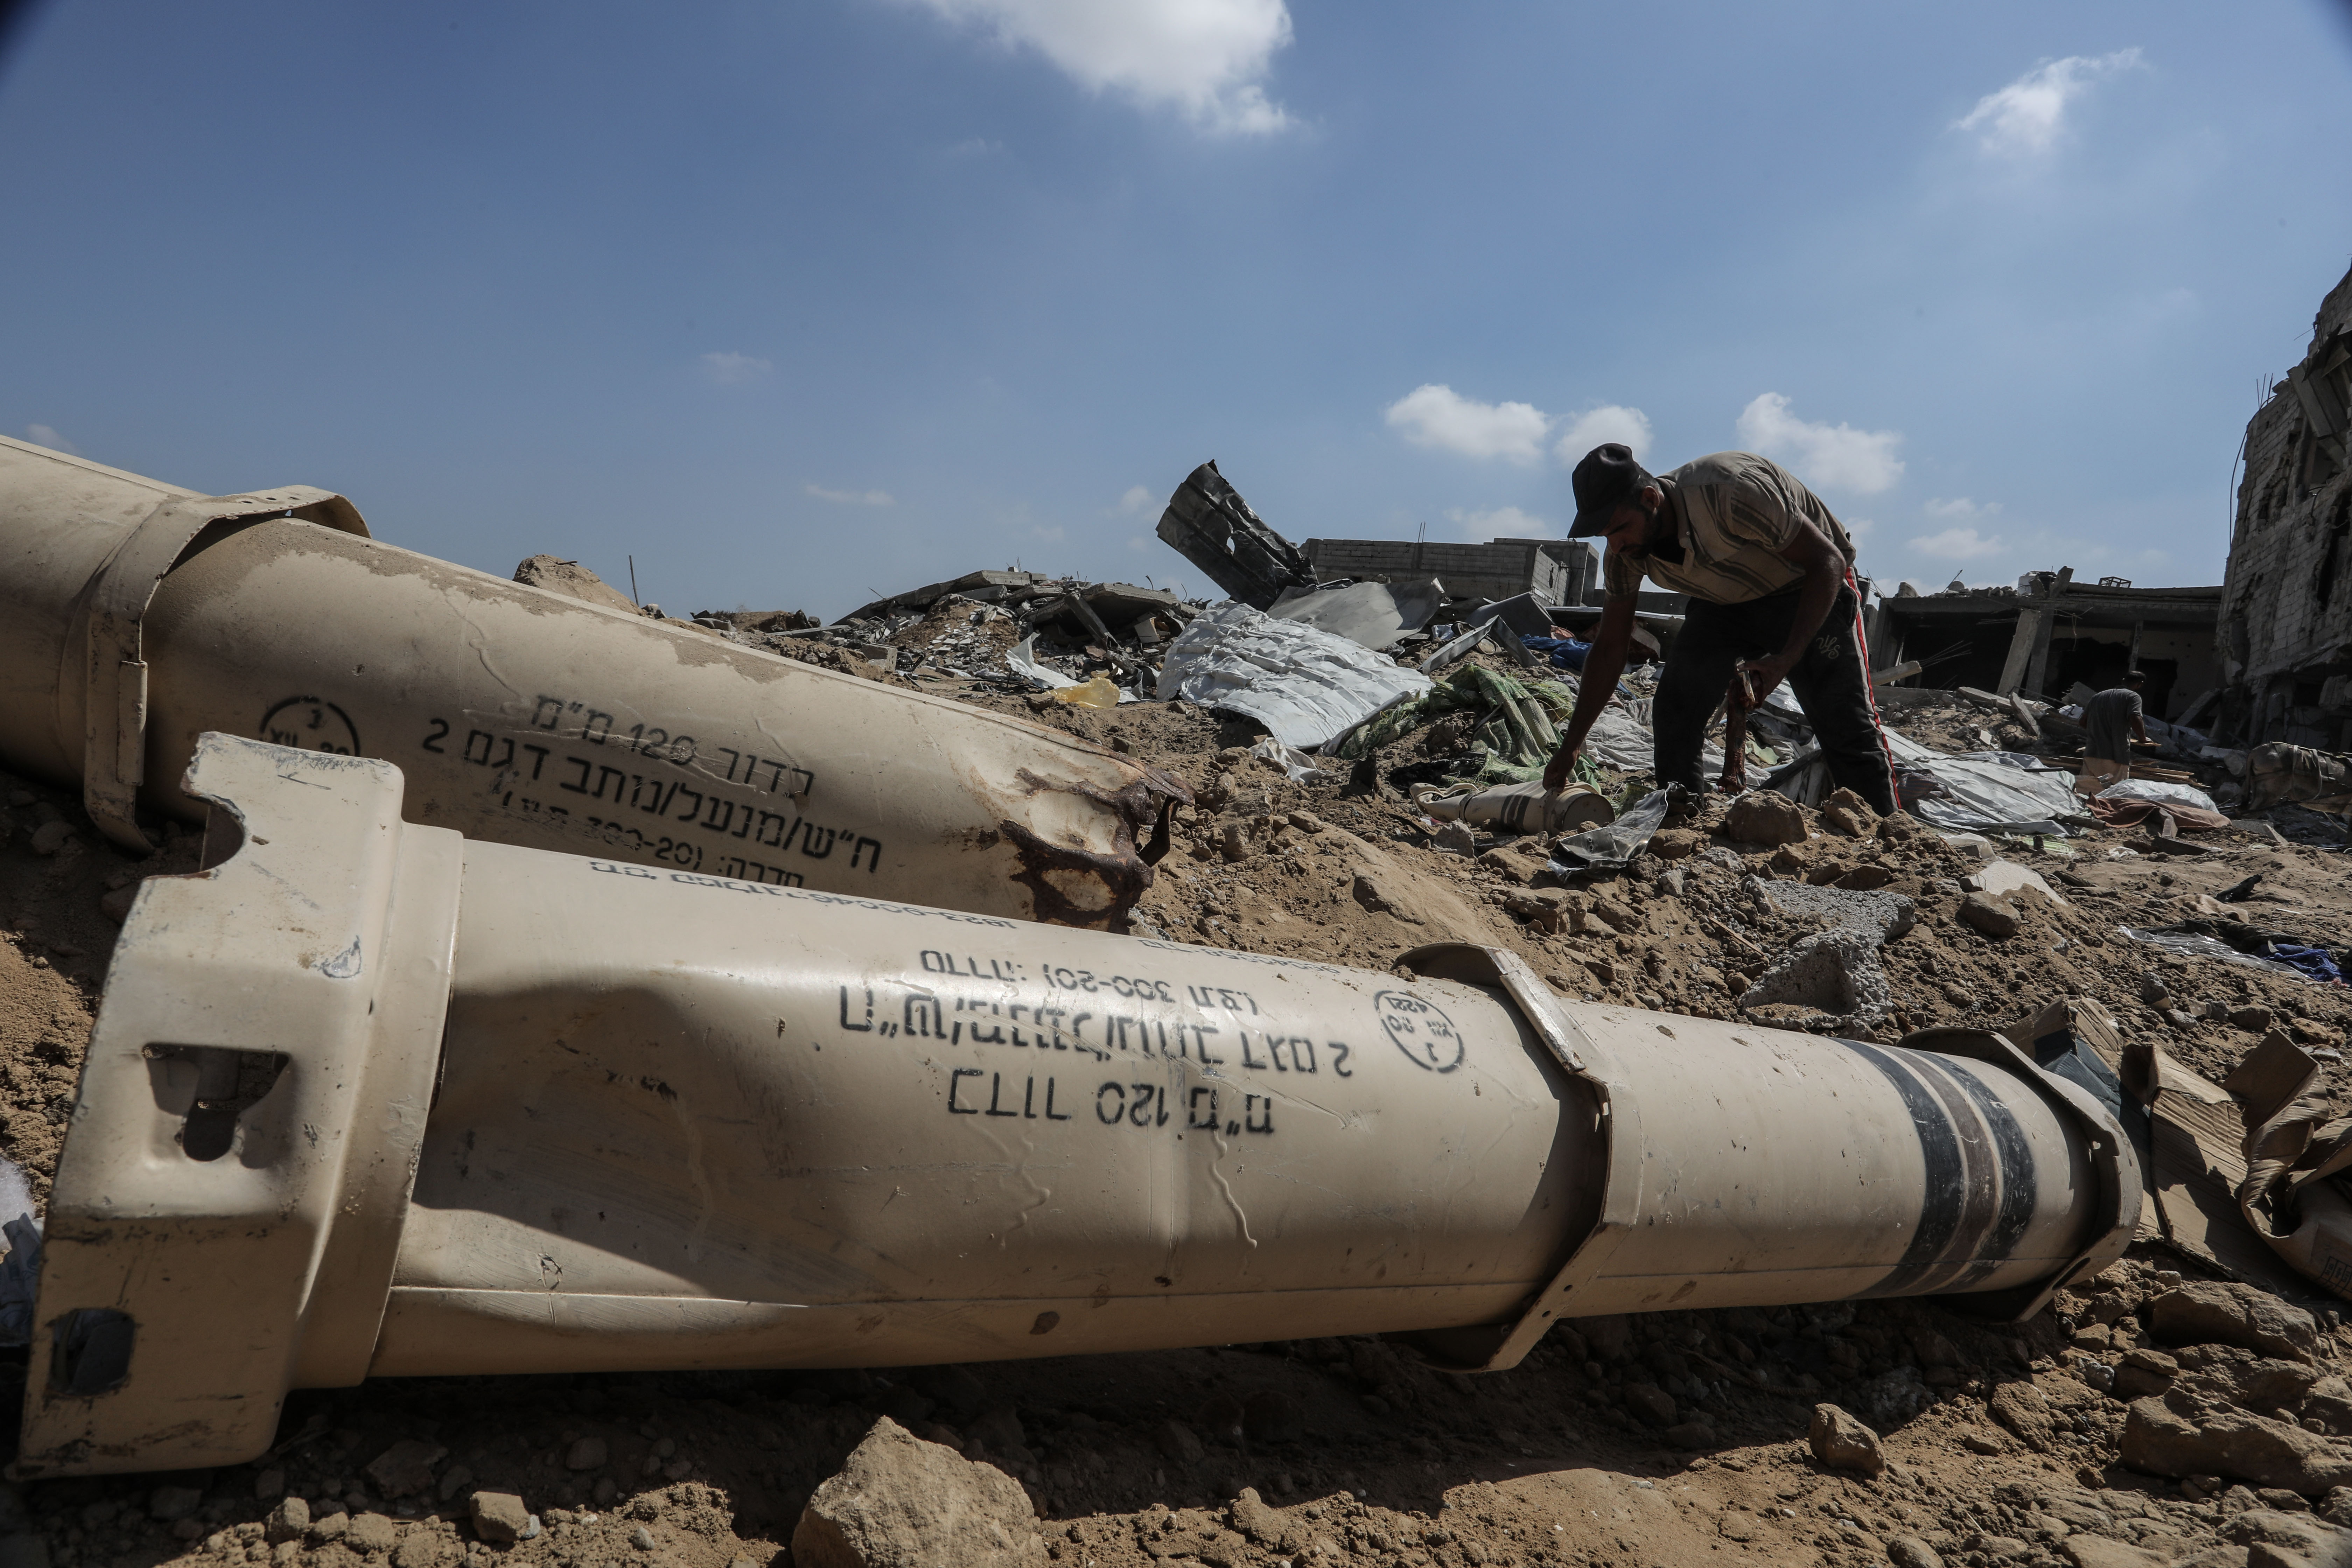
(524, 717)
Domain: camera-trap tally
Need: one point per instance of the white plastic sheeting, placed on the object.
(1621, 737)
(1299, 766)
(2164, 794)
(1988, 791)
(1306, 686)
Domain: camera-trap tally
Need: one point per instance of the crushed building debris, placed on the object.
(2184, 1403)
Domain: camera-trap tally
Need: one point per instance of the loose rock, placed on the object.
(2171, 1437)
(372, 1533)
(405, 1469)
(2098, 1552)
(1651, 1402)
(289, 1520)
(1992, 916)
(900, 1502)
(499, 1518)
(1847, 813)
(1765, 817)
(1254, 1520)
(2021, 1407)
(1843, 1442)
(2207, 1313)
(1910, 1552)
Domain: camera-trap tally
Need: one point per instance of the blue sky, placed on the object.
(797, 300)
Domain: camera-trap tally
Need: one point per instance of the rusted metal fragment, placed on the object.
(1054, 872)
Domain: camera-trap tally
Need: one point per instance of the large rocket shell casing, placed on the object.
(920, 1136)
(366, 1097)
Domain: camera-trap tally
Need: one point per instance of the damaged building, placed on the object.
(2286, 610)
(2050, 633)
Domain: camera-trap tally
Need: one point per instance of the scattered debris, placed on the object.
(2017, 1429)
(1306, 686)
(1208, 524)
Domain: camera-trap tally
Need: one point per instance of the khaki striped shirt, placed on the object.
(1736, 512)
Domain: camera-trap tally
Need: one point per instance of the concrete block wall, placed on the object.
(1495, 571)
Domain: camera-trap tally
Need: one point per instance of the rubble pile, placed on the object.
(2165, 1412)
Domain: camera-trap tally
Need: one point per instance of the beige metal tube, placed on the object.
(685, 1122)
(134, 616)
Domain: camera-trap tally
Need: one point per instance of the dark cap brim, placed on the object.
(1592, 522)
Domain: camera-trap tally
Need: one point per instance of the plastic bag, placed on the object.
(1099, 692)
(1613, 847)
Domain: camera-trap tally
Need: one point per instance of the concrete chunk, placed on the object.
(1883, 915)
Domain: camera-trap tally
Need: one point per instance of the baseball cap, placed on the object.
(1606, 479)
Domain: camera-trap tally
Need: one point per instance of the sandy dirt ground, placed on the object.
(1669, 1440)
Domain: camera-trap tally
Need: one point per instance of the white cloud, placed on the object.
(47, 436)
(975, 147)
(2026, 117)
(1960, 508)
(733, 369)
(851, 497)
(1435, 416)
(1054, 535)
(1207, 58)
(1834, 457)
(1959, 544)
(1597, 427)
(1500, 522)
(1136, 499)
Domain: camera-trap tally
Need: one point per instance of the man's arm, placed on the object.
(1595, 687)
(1824, 569)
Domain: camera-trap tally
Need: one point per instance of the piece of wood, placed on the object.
(2036, 671)
(2025, 715)
(2020, 649)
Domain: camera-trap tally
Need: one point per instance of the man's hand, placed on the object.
(1764, 674)
(1561, 768)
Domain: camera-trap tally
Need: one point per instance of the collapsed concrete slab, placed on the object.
(368, 1098)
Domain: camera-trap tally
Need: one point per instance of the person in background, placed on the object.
(2114, 718)
(1769, 571)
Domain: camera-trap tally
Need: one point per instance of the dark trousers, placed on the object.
(1832, 681)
